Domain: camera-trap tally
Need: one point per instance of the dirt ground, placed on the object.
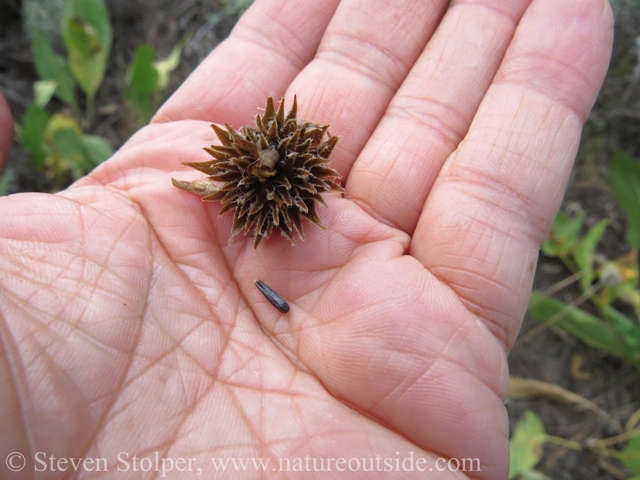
(611, 384)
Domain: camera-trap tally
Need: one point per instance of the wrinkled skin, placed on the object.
(129, 325)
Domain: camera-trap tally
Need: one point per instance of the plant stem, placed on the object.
(563, 442)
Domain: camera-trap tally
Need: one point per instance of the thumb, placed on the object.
(6, 132)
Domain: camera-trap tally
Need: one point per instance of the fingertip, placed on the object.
(562, 50)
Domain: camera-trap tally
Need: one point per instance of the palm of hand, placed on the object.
(130, 325)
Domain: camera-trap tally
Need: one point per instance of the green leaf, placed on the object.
(97, 148)
(70, 152)
(584, 326)
(627, 328)
(7, 182)
(86, 58)
(46, 16)
(43, 90)
(563, 238)
(51, 66)
(624, 177)
(584, 252)
(94, 13)
(34, 126)
(142, 84)
(60, 121)
(526, 444)
(87, 35)
(630, 454)
(169, 64)
(142, 76)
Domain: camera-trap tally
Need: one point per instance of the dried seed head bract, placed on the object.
(272, 175)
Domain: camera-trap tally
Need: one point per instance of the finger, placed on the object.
(432, 111)
(493, 202)
(269, 46)
(6, 132)
(365, 54)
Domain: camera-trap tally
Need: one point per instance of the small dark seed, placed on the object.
(275, 299)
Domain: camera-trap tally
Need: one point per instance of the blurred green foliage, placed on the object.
(608, 284)
(147, 78)
(86, 31)
(630, 456)
(57, 143)
(525, 447)
(529, 437)
(624, 176)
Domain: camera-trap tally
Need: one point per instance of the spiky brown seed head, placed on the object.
(271, 175)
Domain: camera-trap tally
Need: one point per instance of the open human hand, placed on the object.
(131, 328)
